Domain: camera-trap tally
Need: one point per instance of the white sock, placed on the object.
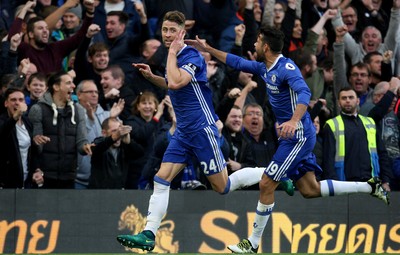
(158, 204)
(337, 188)
(260, 221)
(245, 177)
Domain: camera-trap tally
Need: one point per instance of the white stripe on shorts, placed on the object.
(289, 160)
(219, 160)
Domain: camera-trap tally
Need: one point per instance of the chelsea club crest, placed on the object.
(273, 78)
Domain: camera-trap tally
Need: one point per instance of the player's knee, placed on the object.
(158, 179)
(223, 190)
(220, 190)
(306, 195)
(309, 193)
(309, 187)
(266, 186)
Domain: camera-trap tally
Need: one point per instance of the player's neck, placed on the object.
(269, 60)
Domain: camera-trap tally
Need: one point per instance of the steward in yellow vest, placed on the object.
(338, 128)
(352, 148)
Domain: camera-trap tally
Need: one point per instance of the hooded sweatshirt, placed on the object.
(66, 128)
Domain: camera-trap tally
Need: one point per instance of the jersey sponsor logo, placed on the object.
(289, 66)
(273, 89)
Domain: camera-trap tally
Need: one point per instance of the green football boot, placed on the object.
(143, 240)
(287, 186)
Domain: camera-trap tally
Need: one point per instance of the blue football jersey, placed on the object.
(285, 86)
(193, 102)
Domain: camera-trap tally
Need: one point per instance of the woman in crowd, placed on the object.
(145, 121)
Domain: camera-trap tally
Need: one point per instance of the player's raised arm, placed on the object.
(177, 77)
(202, 45)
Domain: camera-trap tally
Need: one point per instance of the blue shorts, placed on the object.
(293, 159)
(202, 144)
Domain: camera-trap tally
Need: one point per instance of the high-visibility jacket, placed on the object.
(337, 126)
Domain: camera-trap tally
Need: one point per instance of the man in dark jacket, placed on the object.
(110, 155)
(59, 128)
(263, 140)
(16, 139)
(124, 48)
(115, 88)
(352, 146)
(135, 11)
(241, 154)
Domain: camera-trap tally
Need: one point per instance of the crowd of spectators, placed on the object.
(77, 113)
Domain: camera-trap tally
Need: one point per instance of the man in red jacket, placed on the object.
(48, 56)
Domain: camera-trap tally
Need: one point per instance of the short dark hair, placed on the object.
(55, 78)
(352, 7)
(31, 23)
(359, 65)
(273, 37)
(367, 58)
(39, 76)
(346, 89)
(116, 72)
(123, 17)
(175, 16)
(301, 57)
(97, 47)
(106, 123)
(11, 90)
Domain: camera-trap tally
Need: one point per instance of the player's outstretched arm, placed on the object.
(145, 70)
(202, 45)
